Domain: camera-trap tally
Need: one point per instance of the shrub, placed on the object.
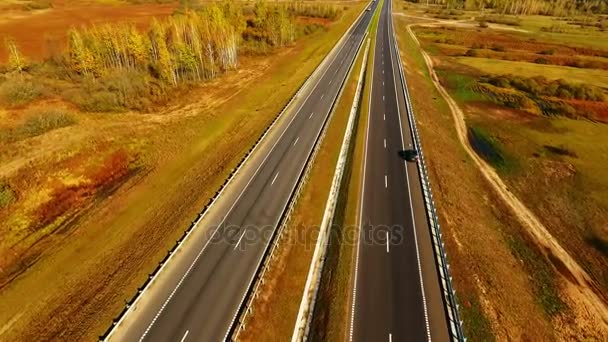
(38, 4)
(541, 60)
(483, 24)
(555, 28)
(499, 48)
(16, 92)
(560, 151)
(310, 28)
(7, 195)
(540, 86)
(117, 92)
(547, 52)
(501, 19)
(472, 53)
(585, 64)
(326, 11)
(42, 120)
(598, 240)
(101, 101)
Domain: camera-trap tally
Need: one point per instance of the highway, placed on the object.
(396, 292)
(197, 296)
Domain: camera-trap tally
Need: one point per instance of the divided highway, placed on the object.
(197, 296)
(396, 290)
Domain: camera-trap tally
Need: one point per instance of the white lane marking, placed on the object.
(385, 181)
(387, 243)
(185, 335)
(382, 97)
(241, 238)
(390, 337)
(275, 178)
(311, 114)
(407, 177)
(383, 83)
(382, 71)
(354, 297)
(384, 116)
(295, 142)
(322, 95)
(330, 81)
(384, 143)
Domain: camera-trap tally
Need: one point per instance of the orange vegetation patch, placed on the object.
(511, 41)
(453, 41)
(595, 110)
(40, 34)
(65, 198)
(310, 20)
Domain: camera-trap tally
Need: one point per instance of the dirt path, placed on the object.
(580, 286)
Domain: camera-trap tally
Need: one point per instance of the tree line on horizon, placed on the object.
(526, 7)
(192, 45)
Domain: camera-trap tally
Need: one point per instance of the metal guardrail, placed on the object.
(313, 280)
(130, 303)
(449, 293)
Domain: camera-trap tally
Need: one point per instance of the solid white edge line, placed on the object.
(426, 315)
(185, 335)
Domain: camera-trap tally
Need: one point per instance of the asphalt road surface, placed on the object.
(200, 295)
(396, 290)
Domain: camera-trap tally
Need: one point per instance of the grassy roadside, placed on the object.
(75, 298)
(494, 287)
(276, 308)
(331, 317)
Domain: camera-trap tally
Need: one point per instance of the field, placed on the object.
(41, 33)
(543, 142)
(80, 189)
(552, 72)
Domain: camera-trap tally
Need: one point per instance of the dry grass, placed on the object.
(78, 278)
(280, 308)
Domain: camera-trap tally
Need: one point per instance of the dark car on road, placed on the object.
(409, 155)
